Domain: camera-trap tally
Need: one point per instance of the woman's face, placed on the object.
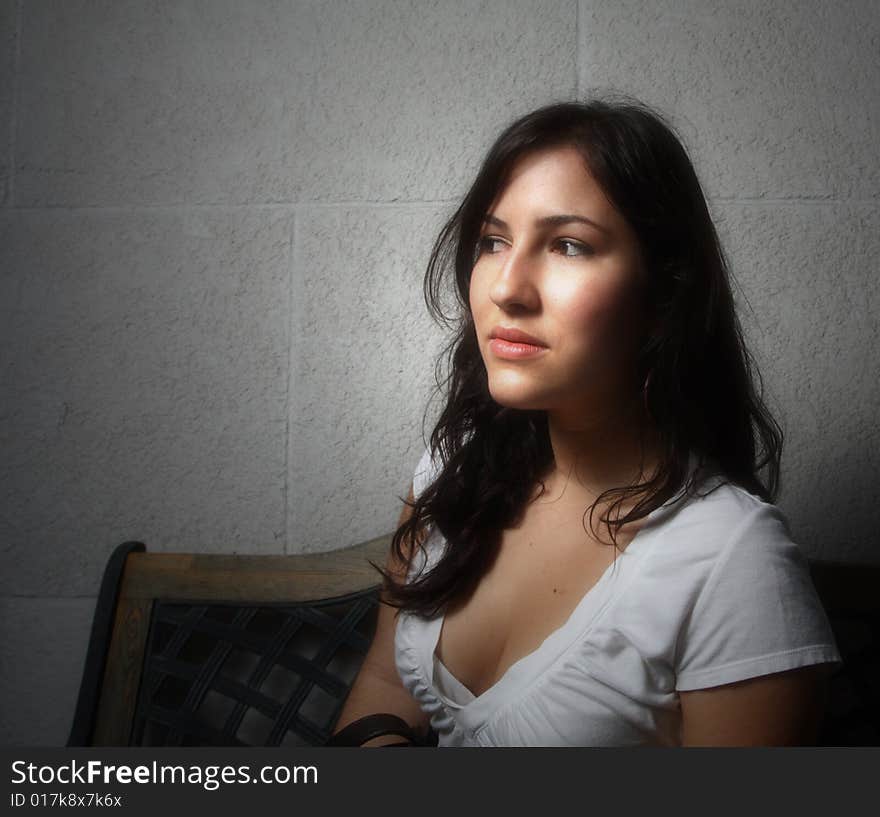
(558, 262)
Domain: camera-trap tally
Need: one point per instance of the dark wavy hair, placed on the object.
(699, 378)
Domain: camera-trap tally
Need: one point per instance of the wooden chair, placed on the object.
(209, 649)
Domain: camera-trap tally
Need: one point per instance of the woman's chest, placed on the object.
(542, 572)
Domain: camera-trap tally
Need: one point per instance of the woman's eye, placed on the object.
(487, 244)
(571, 249)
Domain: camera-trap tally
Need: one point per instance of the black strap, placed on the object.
(368, 727)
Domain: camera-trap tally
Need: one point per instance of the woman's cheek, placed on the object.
(477, 294)
(474, 301)
(597, 312)
(577, 304)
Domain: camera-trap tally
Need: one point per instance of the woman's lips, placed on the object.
(510, 350)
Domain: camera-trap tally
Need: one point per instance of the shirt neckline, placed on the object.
(475, 712)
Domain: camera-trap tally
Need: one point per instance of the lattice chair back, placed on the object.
(216, 650)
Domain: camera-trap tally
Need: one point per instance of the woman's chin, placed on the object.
(517, 399)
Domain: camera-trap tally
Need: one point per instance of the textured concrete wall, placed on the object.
(215, 220)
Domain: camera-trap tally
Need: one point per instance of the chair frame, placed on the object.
(135, 579)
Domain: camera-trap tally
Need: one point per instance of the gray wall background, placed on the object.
(215, 221)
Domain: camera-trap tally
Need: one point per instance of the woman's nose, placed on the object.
(514, 283)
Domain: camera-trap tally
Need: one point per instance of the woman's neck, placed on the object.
(593, 453)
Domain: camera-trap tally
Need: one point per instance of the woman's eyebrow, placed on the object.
(549, 221)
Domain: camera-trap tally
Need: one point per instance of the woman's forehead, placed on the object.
(553, 181)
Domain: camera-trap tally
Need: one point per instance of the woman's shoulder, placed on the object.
(748, 605)
(721, 522)
(730, 590)
(714, 504)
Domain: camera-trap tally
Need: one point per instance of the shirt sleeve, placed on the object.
(425, 473)
(758, 611)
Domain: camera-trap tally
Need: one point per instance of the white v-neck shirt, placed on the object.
(710, 591)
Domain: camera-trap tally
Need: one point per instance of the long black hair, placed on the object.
(700, 381)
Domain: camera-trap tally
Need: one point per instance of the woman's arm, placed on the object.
(378, 687)
(782, 709)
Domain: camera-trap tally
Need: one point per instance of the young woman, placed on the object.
(589, 555)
